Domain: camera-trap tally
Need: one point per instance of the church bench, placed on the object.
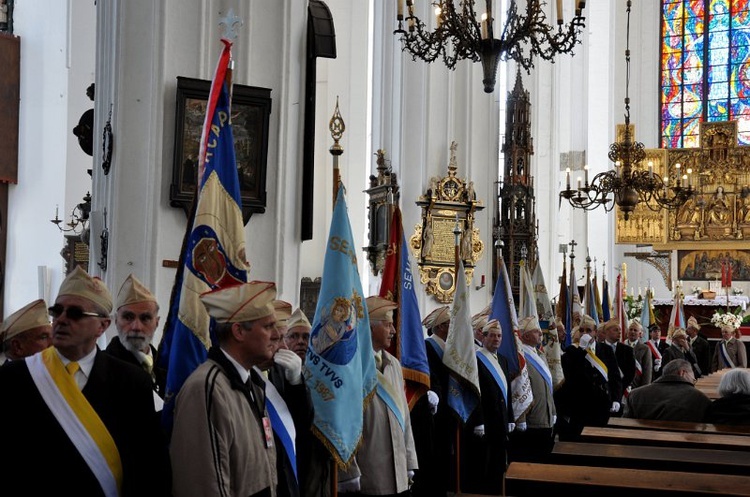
(655, 424)
(655, 458)
(533, 479)
(634, 436)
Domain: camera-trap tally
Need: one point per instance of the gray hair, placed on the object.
(735, 381)
(674, 367)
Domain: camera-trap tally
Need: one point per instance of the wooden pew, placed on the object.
(534, 479)
(634, 436)
(653, 424)
(654, 458)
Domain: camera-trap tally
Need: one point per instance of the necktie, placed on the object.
(379, 362)
(148, 363)
(72, 368)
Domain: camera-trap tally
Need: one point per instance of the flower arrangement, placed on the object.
(723, 318)
(737, 291)
(633, 306)
(696, 290)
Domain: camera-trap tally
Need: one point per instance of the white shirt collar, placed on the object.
(85, 363)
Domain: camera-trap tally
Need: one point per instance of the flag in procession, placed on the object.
(606, 302)
(529, 306)
(589, 299)
(620, 313)
(543, 304)
(460, 355)
(340, 364)
(563, 306)
(398, 285)
(677, 315)
(726, 274)
(597, 298)
(647, 313)
(574, 299)
(213, 250)
(504, 310)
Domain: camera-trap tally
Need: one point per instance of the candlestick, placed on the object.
(567, 177)
(579, 182)
(651, 169)
(400, 9)
(586, 174)
(559, 12)
(438, 11)
(485, 31)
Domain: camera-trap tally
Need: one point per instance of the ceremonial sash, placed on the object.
(436, 346)
(725, 355)
(654, 350)
(281, 422)
(535, 360)
(638, 368)
(495, 370)
(77, 418)
(597, 363)
(391, 398)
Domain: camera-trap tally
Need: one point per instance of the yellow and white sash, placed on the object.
(79, 420)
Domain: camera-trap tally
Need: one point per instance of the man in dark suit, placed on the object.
(486, 434)
(91, 414)
(620, 363)
(699, 344)
(136, 320)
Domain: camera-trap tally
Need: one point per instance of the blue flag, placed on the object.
(504, 310)
(340, 364)
(213, 251)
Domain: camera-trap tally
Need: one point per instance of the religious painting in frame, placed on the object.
(705, 265)
(251, 111)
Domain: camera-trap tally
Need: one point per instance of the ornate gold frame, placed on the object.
(448, 201)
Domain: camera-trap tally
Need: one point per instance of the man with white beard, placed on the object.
(136, 319)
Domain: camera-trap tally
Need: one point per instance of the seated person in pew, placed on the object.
(733, 407)
(672, 397)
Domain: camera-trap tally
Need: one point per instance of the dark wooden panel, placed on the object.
(10, 84)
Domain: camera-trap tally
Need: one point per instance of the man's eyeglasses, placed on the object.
(73, 312)
(298, 336)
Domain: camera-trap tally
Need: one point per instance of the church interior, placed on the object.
(99, 148)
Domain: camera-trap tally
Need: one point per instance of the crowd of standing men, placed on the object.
(242, 420)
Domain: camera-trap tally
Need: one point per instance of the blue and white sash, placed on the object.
(281, 422)
(533, 358)
(390, 397)
(725, 355)
(494, 368)
(438, 345)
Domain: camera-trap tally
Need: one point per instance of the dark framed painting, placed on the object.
(705, 265)
(251, 111)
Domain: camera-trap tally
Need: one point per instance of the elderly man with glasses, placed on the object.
(92, 414)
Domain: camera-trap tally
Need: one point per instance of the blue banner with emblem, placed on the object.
(213, 251)
(340, 364)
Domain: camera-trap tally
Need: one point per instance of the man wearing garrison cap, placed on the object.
(93, 414)
(297, 336)
(620, 362)
(386, 461)
(699, 344)
(136, 320)
(26, 331)
(220, 412)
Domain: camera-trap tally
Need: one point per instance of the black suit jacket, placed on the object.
(117, 349)
(614, 378)
(45, 459)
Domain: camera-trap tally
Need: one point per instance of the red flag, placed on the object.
(726, 274)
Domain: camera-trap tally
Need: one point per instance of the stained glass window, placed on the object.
(705, 68)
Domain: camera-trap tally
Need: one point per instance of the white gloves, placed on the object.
(433, 400)
(479, 431)
(349, 485)
(521, 426)
(657, 364)
(615, 407)
(292, 365)
(410, 474)
(511, 427)
(585, 340)
(554, 419)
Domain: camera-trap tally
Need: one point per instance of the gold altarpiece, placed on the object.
(718, 216)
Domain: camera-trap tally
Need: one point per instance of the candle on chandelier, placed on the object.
(689, 177)
(400, 9)
(567, 177)
(651, 169)
(579, 182)
(559, 12)
(485, 30)
(586, 174)
(678, 176)
(439, 18)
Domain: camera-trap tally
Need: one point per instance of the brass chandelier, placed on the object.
(629, 183)
(458, 34)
